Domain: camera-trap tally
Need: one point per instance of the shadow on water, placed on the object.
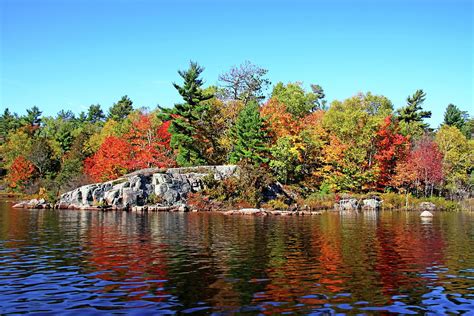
(164, 263)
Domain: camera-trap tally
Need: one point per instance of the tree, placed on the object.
(66, 115)
(95, 113)
(298, 102)
(411, 116)
(185, 117)
(320, 102)
(468, 128)
(150, 141)
(250, 136)
(32, 119)
(354, 123)
(422, 169)
(453, 116)
(41, 156)
(278, 120)
(287, 159)
(112, 160)
(19, 143)
(391, 148)
(120, 110)
(244, 83)
(20, 172)
(458, 159)
(8, 122)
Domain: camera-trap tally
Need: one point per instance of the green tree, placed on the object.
(411, 116)
(18, 144)
(32, 117)
(120, 110)
(453, 116)
(458, 159)
(249, 135)
(95, 113)
(286, 159)
(41, 155)
(186, 117)
(66, 115)
(298, 102)
(8, 122)
(468, 128)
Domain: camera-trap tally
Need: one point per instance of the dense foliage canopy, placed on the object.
(360, 144)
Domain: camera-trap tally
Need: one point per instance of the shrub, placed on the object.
(277, 204)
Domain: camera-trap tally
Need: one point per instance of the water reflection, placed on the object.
(166, 263)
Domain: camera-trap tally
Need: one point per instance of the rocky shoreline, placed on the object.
(166, 190)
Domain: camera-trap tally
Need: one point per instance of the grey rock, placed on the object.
(371, 204)
(349, 204)
(171, 186)
(427, 206)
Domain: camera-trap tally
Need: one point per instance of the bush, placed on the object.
(277, 204)
(392, 200)
(321, 200)
(441, 203)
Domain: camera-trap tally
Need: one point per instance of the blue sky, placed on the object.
(72, 53)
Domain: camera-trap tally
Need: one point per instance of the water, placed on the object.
(72, 262)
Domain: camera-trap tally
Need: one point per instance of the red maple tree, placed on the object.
(391, 147)
(20, 171)
(146, 144)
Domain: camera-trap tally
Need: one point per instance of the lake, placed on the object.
(89, 262)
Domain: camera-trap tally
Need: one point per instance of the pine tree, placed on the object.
(185, 117)
(411, 116)
(249, 136)
(120, 110)
(455, 117)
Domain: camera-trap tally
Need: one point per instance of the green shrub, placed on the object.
(277, 204)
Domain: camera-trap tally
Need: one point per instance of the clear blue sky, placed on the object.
(68, 54)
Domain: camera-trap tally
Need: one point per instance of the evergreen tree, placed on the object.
(95, 113)
(411, 116)
(32, 117)
(249, 136)
(454, 116)
(8, 122)
(66, 115)
(186, 116)
(120, 110)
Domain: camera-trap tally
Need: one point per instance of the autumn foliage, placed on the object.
(21, 171)
(391, 147)
(422, 169)
(144, 145)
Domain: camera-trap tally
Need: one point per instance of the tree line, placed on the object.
(360, 144)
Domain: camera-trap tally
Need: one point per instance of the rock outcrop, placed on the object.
(157, 187)
(34, 203)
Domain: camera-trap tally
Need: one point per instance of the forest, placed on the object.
(282, 132)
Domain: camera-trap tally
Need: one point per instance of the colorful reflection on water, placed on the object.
(165, 263)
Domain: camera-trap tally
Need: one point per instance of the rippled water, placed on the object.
(163, 263)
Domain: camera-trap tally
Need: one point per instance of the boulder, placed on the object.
(426, 214)
(427, 206)
(349, 204)
(371, 204)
